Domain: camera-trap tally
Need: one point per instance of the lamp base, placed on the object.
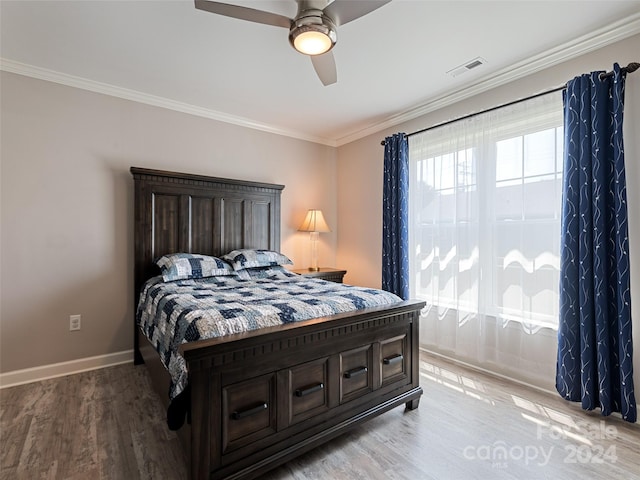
(313, 236)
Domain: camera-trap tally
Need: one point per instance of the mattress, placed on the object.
(172, 313)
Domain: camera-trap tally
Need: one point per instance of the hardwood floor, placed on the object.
(109, 424)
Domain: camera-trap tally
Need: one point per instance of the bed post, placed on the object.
(137, 273)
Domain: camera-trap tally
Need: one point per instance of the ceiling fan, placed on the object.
(312, 31)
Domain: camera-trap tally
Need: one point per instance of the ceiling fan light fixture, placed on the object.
(311, 32)
(312, 42)
(313, 35)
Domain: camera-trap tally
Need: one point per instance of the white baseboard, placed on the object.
(488, 372)
(44, 372)
(553, 393)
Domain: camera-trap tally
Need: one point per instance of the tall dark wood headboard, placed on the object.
(179, 212)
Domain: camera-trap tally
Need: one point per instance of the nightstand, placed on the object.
(331, 274)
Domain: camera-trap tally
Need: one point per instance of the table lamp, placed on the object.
(314, 223)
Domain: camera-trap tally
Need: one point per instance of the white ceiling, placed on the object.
(392, 63)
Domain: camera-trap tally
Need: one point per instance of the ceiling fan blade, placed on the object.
(244, 13)
(325, 66)
(344, 11)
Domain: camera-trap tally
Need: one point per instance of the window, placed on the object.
(485, 206)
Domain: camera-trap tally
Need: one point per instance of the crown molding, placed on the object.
(587, 43)
(32, 71)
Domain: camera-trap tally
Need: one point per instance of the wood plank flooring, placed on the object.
(109, 424)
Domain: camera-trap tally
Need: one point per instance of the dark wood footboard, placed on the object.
(262, 398)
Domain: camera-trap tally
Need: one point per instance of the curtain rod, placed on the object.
(632, 67)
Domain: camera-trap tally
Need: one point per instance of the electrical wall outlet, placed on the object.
(74, 322)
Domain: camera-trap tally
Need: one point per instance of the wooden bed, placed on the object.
(261, 398)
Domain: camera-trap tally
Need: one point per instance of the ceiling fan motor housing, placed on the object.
(311, 23)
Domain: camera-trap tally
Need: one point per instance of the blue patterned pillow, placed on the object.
(251, 258)
(181, 266)
(270, 272)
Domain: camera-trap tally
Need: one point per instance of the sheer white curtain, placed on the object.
(485, 204)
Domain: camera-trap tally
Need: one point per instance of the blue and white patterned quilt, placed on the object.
(172, 313)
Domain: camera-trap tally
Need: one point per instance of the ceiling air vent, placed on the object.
(471, 64)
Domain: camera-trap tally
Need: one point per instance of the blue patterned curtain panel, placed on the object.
(395, 216)
(594, 336)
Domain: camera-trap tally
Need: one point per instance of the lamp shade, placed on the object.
(314, 222)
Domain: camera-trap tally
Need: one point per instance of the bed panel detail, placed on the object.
(305, 391)
(356, 372)
(394, 356)
(248, 411)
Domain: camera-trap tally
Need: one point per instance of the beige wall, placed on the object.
(360, 175)
(67, 202)
(66, 199)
